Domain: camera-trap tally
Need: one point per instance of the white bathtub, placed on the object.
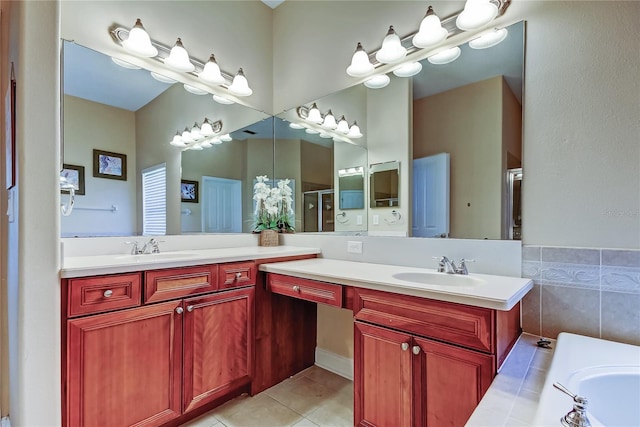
(607, 373)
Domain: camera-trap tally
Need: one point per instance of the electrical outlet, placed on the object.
(354, 247)
(376, 219)
(358, 219)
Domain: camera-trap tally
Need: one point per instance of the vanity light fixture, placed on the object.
(139, 42)
(341, 132)
(195, 132)
(222, 100)
(206, 129)
(431, 31)
(163, 79)
(325, 135)
(445, 56)
(408, 70)
(377, 82)
(351, 172)
(476, 14)
(343, 125)
(177, 140)
(392, 49)
(296, 126)
(196, 147)
(354, 131)
(199, 136)
(179, 58)
(360, 64)
(216, 141)
(211, 72)
(206, 143)
(226, 138)
(489, 39)
(186, 136)
(311, 131)
(124, 64)
(240, 85)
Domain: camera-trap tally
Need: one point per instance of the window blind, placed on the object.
(154, 200)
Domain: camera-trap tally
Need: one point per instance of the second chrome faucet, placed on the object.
(445, 265)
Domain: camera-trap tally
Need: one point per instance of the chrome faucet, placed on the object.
(135, 248)
(577, 417)
(151, 247)
(445, 265)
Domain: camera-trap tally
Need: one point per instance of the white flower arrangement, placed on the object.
(273, 205)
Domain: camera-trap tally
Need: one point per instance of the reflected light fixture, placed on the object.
(124, 64)
(177, 140)
(161, 78)
(139, 42)
(343, 125)
(311, 131)
(489, 39)
(196, 147)
(314, 114)
(206, 129)
(293, 125)
(329, 121)
(392, 49)
(445, 57)
(211, 72)
(360, 64)
(354, 131)
(476, 14)
(222, 100)
(431, 32)
(206, 143)
(240, 85)
(226, 138)
(325, 135)
(216, 141)
(195, 132)
(186, 136)
(377, 82)
(408, 70)
(178, 58)
(195, 90)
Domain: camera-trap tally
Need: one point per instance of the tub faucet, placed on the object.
(577, 417)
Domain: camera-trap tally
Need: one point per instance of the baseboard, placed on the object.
(335, 363)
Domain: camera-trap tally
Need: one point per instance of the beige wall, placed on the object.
(88, 126)
(466, 122)
(316, 164)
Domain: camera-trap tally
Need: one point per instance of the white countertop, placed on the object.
(496, 292)
(122, 263)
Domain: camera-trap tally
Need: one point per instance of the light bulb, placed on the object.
(431, 32)
(489, 39)
(186, 136)
(240, 85)
(360, 64)
(445, 56)
(325, 135)
(206, 129)
(196, 147)
(161, 78)
(391, 49)
(211, 72)
(476, 14)
(311, 131)
(408, 70)
(206, 143)
(139, 42)
(354, 131)
(124, 64)
(177, 140)
(195, 132)
(295, 126)
(222, 100)
(329, 121)
(226, 137)
(215, 140)
(195, 90)
(314, 114)
(178, 58)
(343, 125)
(377, 82)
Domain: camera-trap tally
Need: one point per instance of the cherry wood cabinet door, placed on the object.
(218, 345)
(124, 368)
(382, 381)
(451, 382)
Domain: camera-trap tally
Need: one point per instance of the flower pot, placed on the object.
(268, 238)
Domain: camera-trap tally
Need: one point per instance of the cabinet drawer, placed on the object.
(310, 290)
(236, 274)
(162, 285)
(460, 324)
(89, 295)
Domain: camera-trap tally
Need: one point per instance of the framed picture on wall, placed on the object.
(109, 165)
(189, 191)
(74, 175)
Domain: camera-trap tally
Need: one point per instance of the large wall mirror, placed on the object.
(467, 141)
(134, 116)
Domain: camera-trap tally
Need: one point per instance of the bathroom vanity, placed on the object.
(158, 341)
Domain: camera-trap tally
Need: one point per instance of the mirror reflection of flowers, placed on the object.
(273, 205)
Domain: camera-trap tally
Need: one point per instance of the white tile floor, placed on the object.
(314, 397)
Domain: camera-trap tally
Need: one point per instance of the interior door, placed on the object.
(221, 205)
(430, 209)
(311, 206)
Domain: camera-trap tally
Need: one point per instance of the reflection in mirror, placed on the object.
(385, 184)
(351, 188)
(471, 110)
(126, 111)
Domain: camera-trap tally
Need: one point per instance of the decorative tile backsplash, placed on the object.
(594, 292)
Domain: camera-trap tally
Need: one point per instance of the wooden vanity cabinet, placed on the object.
(160, 362)
(421, 362)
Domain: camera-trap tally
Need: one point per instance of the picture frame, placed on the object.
(107, 164)
(75, 175)
(189, 191)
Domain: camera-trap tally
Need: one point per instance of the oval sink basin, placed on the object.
(167, 256)
(440, 279)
